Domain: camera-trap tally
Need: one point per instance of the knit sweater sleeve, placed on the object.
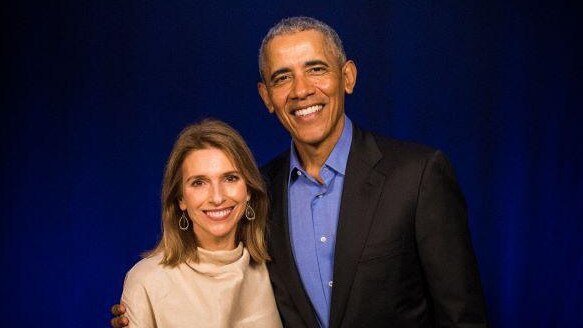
(137, 297)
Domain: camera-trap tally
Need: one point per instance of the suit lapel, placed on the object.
(361, 193)
(281, 245)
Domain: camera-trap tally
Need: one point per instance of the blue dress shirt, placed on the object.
(313, 212)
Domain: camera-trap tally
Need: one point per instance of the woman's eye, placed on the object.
(231, 178)
(197, 183)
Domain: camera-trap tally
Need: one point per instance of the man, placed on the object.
(365, 231)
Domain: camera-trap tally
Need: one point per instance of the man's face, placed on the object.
(304, 84)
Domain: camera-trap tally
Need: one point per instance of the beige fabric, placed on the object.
(222, 290)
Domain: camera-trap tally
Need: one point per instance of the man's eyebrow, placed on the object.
(316, 62)
(309, 63)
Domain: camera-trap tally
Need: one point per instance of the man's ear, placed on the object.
(349, 76)
(262, 88)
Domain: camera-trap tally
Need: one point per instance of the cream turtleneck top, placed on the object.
(221, 290)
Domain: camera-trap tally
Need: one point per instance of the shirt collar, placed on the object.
(338, 157)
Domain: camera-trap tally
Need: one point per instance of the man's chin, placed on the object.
(308, 139)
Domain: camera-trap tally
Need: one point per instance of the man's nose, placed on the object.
(302, 87)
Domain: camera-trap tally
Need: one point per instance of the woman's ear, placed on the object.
(181, 204)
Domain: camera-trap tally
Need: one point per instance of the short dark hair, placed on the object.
(298, 24)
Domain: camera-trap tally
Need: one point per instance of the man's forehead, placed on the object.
(292, 45)
(297, 37)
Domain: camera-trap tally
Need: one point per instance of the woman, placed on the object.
(208, 269)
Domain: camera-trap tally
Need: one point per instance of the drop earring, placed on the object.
(183, 222)
(249, 212)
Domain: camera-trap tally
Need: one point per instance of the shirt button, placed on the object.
(299, 172)
(323, 239)
(320, 195)
(330, 283)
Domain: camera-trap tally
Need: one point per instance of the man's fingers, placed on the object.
(119, 322)
(118, 309)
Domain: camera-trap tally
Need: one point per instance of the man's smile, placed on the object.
(307, 111)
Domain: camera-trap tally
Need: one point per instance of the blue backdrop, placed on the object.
(94, 94)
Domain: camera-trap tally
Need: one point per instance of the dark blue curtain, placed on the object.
(94, 94)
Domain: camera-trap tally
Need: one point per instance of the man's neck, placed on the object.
(313, 156)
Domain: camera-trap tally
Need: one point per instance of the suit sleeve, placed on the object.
(445, 248)
(290, 316)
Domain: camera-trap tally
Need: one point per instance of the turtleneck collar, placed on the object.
(213, 263)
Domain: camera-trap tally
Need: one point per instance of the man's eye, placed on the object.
(317, 69)
(280, 79)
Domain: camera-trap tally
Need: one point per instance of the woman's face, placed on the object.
(215, 195)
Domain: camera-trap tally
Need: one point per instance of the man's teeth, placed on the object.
(308, 111)
(219, 214)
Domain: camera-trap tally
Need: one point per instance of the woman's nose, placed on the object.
(217, 195)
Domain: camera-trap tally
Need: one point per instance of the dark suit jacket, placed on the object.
(403, 254)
